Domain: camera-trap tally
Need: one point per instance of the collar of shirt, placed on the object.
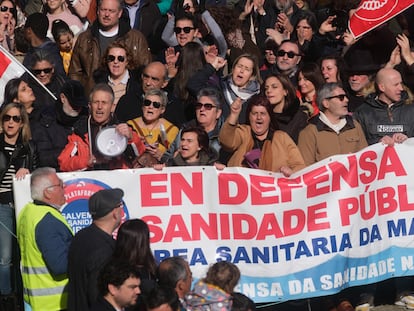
(124, 79)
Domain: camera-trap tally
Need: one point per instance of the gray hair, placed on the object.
(104, 88)
(160, 93)
(213, 94)
(171, 270)
(324, 92)
(39, 181)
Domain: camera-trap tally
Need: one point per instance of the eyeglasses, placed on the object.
(8, 117)
(290, 54)
(4, 8)
(341, 97)
(178, 30)
(61, 185)
(111, 58)
(207, 106)
(45, 70)
(156, 105)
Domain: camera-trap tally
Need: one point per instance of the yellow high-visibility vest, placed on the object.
(42, 290)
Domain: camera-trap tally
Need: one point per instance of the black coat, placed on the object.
(91, 248)
(50, 133)
(378, 119)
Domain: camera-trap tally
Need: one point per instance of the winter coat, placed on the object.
(87, 52)
(379, 119)
(279, 151)
(318, 141)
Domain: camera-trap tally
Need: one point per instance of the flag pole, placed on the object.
(28, 71)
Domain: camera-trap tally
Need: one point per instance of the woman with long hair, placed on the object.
(287, 112)
(17, 159)
(17, 90)
(133, 246)
(310, 79)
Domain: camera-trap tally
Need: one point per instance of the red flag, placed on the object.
(372, 13)
(9, 68)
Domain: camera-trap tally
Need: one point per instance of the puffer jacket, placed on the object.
(378, 119)
(87, 52)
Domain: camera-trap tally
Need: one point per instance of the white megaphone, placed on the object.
(110, 143)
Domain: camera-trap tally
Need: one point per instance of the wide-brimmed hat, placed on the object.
(360, 61)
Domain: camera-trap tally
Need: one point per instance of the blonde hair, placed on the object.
(26, 134)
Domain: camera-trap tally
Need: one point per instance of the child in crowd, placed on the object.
(64, 39)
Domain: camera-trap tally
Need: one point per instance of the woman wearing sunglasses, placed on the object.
(157, 132)
(116, 71)
(8, 18)
(258, 144)
(43, 69)
(17, 159)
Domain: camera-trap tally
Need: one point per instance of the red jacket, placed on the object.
(75, 155)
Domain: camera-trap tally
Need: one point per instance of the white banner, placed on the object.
(344, 221)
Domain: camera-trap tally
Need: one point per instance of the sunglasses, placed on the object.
(207, 106)
(111, 58)
(45, 70)
(341, 97)
(6, 8)
(178, 30)
(290, 54)
(8, 117)
(147, 103)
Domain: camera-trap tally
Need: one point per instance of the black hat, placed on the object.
(75, 93)
(104, 201)
(360, 61)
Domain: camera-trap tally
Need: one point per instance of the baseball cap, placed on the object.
(104, 201)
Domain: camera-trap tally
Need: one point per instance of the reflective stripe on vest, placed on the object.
(45, 291)
(42, 290)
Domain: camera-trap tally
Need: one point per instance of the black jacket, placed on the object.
(50, 133)
(378, 119)
(91, 248)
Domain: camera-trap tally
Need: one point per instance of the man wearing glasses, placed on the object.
(44, 237)
(288, 58)
(332, 131)
(82, 151)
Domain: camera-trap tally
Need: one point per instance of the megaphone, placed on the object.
(110, 143)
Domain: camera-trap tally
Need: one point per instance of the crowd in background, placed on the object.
(270, 84)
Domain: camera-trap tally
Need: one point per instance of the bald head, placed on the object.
(389, 84)
(154, 76)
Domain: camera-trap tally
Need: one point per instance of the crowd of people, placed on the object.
(269, 84)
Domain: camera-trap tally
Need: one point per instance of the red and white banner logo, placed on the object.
(372, 13)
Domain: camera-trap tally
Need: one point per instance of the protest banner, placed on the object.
(373, 13)
(344, 221)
